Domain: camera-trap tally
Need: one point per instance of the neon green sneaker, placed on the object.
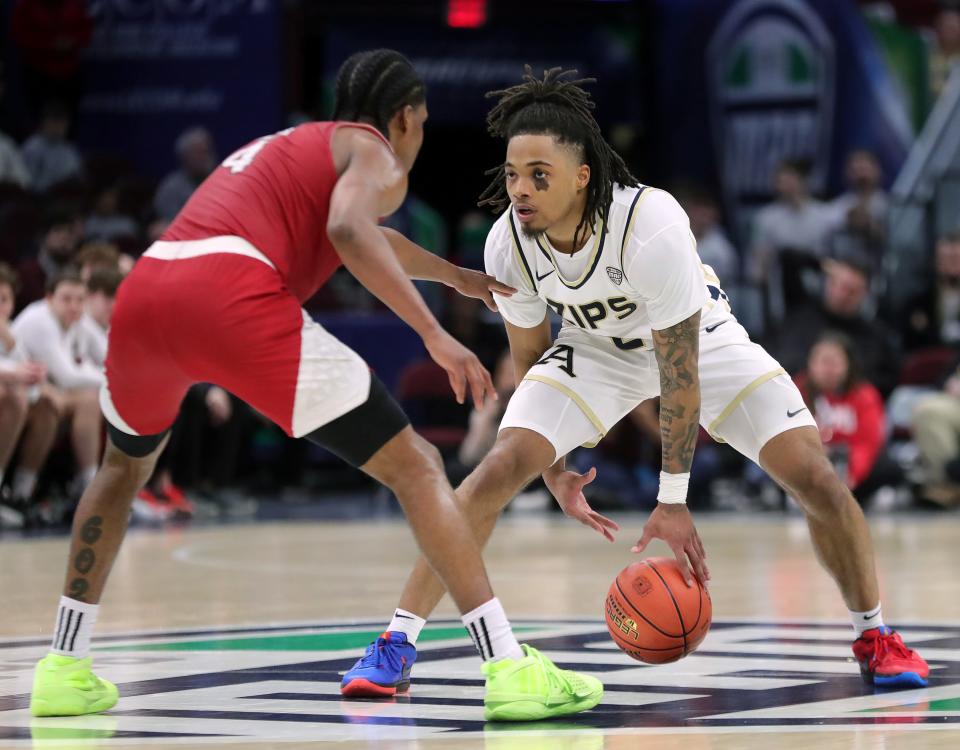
(65, 686)
(535, 688)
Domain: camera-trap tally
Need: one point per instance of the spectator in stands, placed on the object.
(848, 410)
(713, 245)
(50, 332)
(105, 221)
(102, 285)
(18, 377)
(195, 152)
(50, 158)
(28, 412)
(96, 256)
(788, 236)
(60, 234)
(794, 221)
(13, 170)
(864, 207)
(936, 429)
(946, 47)
(841, 309)
(933, 317)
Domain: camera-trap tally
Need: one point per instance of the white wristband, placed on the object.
(673, 488)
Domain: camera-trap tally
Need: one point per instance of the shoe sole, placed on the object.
(904, 679)
(81, 707)
(524, 710)
(361, 688)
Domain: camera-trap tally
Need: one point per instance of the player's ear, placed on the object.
(405, 119)
(583, 176)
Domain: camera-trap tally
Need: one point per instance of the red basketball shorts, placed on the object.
(216, 311)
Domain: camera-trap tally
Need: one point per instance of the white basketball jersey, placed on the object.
(641, 272)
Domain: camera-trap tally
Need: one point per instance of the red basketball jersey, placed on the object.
(274, 193)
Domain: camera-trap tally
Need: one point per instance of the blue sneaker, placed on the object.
(384, 669)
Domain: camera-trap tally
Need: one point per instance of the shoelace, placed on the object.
(376, 653)
(556, 678)
(889, 643)
(371, 657)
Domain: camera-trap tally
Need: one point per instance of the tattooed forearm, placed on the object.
(677, 350)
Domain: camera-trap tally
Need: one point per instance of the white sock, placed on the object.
(863, 621)
(73, 628)
(408, 624)
(491, 632)
(85, 476)
(24, 483)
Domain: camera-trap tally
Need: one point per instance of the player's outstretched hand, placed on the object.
(674, 524)
(462, 366)
(480, 286)
(567, 488)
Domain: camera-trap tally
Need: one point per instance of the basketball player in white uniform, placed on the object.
(642, 317)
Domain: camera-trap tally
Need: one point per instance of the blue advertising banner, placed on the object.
(157, 67)
(773, 79)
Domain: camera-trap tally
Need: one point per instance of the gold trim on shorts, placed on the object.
(566, 391)
(747, 390)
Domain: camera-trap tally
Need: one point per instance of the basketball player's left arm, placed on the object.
(677, 350)
(421, 264)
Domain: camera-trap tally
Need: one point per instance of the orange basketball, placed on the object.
(651, 613)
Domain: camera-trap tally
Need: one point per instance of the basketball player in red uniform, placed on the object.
(218, 299)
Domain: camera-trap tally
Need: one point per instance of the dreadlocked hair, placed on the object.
(562, 108)
(374, 84)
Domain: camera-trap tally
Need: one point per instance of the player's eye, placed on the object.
(510, 175)
(539, 175)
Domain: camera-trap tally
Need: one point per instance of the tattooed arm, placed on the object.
(677, 349)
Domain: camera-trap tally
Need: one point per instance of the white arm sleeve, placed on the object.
(502, 259)
(662, 263)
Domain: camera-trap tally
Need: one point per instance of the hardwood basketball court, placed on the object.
(235, 636)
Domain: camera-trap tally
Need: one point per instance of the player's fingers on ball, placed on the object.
(681, 555)
(701, 548)
(699, 567)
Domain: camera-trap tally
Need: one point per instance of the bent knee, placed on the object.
(518, 456)
(406, 459)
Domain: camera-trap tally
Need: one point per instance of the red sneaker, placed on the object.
(179, 502)
(885, 660)
(150, 507)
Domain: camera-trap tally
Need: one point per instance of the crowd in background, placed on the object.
(806, 282)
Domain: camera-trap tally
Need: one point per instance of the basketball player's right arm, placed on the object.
(372, 185)
(527, 346)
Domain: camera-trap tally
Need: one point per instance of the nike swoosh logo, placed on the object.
(872, 614)
(715, 326)
(405, 617)
(792, 414)
(541, 278)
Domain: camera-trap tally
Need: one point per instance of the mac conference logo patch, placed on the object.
(615, 274)
(281, 684)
